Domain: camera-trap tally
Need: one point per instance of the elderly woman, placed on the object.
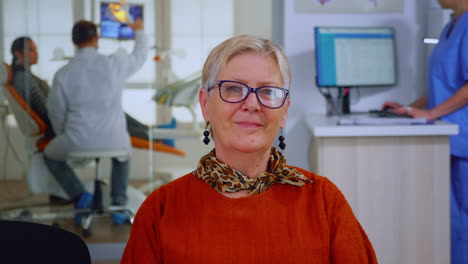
(243, 203)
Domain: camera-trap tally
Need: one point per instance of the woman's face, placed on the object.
(29, 55)
(247, 126)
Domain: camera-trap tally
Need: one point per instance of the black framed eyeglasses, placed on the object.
(236, 92)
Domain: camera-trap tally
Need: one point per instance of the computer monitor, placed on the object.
(115, 18)
(355, 56)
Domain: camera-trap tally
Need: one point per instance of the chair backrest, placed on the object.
(28, 242)
(28, 121)
(142, 143)
(6, 76)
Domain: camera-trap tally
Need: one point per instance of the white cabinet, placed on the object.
(396, 179)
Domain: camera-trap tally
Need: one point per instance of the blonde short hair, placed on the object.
(234, 46)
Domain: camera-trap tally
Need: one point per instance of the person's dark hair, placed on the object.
(19, 45)
(83, 32)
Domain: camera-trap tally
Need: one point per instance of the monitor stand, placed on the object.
(338, 105)
(344, 91)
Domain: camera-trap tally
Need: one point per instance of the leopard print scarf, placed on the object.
(223, 178)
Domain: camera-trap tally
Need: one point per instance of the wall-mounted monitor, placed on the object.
(355, 56)
(115, 18)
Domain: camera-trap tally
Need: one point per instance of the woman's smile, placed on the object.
(249, 124)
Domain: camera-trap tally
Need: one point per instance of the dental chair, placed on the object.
(39, 178)
(31, 126)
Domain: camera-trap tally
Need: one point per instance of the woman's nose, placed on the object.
(251, 103)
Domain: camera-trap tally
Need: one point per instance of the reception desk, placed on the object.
(396, 178)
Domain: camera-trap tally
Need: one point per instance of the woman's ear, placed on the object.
(203, 99)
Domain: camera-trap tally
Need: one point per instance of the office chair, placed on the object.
(98, 207)
(28, 242)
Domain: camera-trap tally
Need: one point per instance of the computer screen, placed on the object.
(355, 56)
(115, 17)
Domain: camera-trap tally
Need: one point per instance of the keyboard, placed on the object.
(386, 113)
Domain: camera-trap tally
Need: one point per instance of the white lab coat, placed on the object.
(85, 105)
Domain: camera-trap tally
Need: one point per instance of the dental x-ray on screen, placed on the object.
(115, 18)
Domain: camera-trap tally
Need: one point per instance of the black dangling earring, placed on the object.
(206, 133)
(282, 145)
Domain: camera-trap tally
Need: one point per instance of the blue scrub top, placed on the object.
(448, 72)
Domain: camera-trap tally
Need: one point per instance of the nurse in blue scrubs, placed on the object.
(447, 99)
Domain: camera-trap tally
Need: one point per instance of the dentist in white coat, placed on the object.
(85, 109)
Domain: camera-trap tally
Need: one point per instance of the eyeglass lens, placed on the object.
(234, 92)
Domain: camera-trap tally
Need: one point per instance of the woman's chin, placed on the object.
(251, 147)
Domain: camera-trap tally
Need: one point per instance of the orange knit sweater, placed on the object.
(186, 221)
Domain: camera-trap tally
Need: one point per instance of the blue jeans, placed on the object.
(459, 209)
(73, 187)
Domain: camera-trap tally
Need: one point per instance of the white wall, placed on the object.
(299, 46)
(259, 11)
